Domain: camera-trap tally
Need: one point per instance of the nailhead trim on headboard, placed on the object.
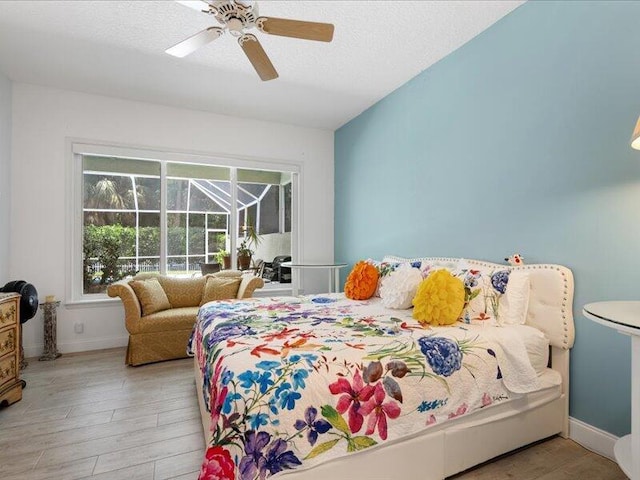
(567, 315)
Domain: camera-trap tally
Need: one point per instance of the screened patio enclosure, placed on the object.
(150, 216)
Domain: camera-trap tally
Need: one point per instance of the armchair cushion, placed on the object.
(169, 320)
(220, 288)
(228, 274)
(182, 292)
(151, 295)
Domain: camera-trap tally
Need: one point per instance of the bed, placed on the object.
(319, 386)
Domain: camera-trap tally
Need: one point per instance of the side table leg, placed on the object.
(50, 331)
(295, 281)
(23, 363)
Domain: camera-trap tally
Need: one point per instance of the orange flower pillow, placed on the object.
(361, 282)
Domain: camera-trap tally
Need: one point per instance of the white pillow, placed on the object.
(399, 287)
(515, 301)
(537, 346)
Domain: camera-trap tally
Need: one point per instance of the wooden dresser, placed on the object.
(10, 384)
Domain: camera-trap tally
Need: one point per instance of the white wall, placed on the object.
(44, 118)
(5, 173)
(273, 244)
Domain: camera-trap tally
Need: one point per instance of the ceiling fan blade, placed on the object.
(322, 32)
(199, 5)
(194, 42)
(258, 57)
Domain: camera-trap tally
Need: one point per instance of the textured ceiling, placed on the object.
(116, 48)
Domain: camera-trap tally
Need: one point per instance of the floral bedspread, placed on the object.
(293, 382)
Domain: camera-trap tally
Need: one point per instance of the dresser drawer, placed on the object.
(8, 313)
(8, 370)
(8, 341)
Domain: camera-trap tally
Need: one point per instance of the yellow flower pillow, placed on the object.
(439, 299)
(361, 282)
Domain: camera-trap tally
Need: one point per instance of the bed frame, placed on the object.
(464, 442)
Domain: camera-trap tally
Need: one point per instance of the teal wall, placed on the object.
(516, 142)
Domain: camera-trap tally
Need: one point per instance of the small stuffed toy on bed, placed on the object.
(515, 260)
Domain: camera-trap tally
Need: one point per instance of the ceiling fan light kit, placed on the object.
(239, 16)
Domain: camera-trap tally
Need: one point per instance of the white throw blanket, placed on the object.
(517, 373)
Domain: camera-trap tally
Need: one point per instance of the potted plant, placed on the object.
(245, 252)
(224, 258)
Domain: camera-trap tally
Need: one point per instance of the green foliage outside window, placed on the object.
(106, 245)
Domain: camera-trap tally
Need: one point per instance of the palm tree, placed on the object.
(115, 193)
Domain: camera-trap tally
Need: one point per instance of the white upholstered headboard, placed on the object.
(551, 301)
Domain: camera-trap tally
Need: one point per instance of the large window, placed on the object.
(121, 220)
(146, 215)
(197, 215)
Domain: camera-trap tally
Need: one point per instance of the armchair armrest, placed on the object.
(132, 309)
(248, 285)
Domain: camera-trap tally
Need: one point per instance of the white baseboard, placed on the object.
(31, 351)
(592, 438)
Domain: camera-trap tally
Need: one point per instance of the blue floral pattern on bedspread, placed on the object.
(293, 382)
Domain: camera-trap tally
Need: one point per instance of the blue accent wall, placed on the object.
(516, 142)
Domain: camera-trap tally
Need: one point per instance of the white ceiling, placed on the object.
(116, 48)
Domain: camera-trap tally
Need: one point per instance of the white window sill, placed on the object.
(101, 301)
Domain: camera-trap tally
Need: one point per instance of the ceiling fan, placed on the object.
(238, 16)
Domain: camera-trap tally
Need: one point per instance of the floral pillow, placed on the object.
(384, 269)
(481, 298)
(440, 299)
(362, 281)
(400, 286)
(487, 295)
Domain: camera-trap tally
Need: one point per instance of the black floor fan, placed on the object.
(28, 308)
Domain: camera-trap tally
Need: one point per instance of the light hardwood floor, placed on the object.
(89, 416)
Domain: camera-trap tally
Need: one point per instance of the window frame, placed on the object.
(135, 210)
(76, 148)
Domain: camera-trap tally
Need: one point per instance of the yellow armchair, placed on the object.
(164, 335)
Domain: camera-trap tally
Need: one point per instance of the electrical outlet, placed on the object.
(78, 327)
